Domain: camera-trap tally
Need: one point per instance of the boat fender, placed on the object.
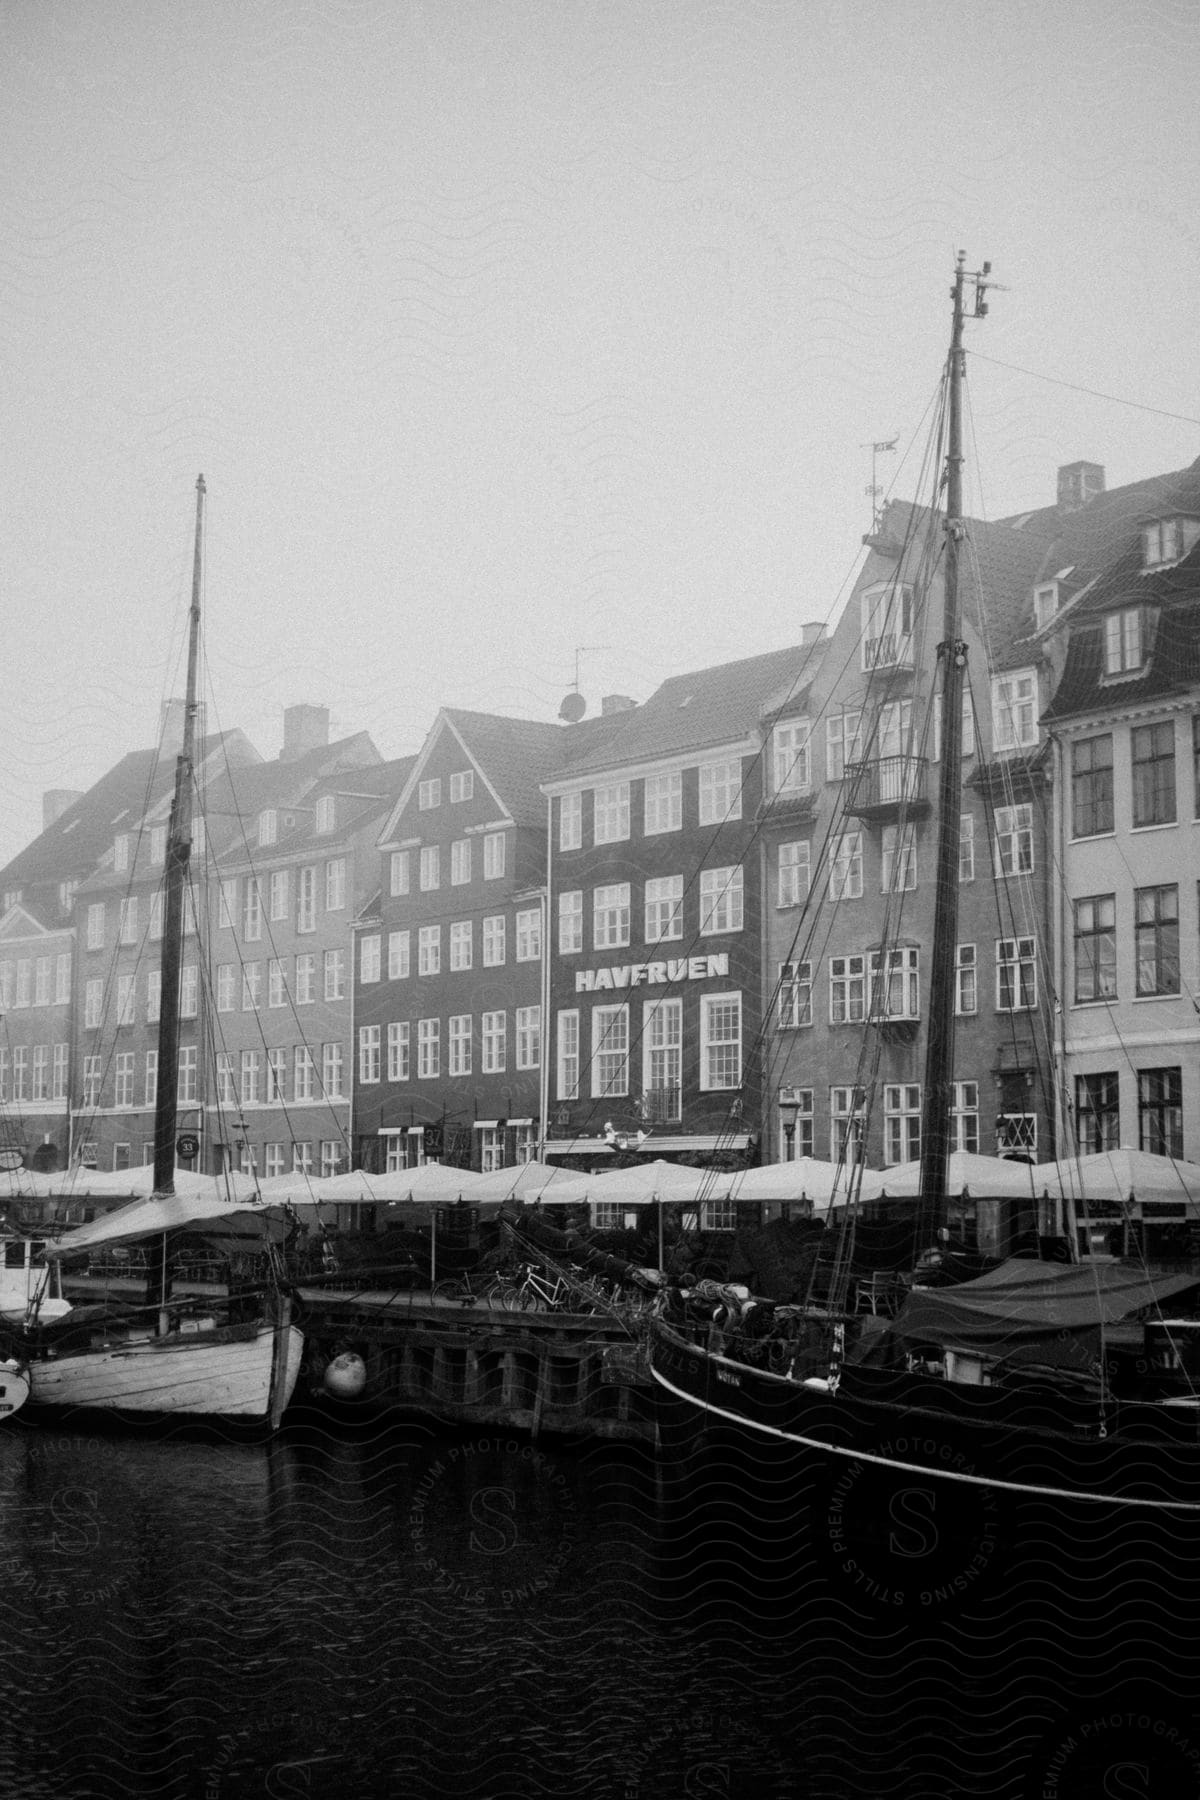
(345, 1376)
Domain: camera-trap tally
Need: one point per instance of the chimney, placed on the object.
(616, 703)
(55, 802)
(1079, 482)
(812, 634)
(305, 728)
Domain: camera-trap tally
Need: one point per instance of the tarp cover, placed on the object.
(1021, 1301)
(174, 1212)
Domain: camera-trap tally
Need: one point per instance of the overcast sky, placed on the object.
(506, 330)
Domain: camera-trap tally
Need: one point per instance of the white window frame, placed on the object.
(462, 786)
(429, 1049)
(846, 867)
(1018, 957)
(901, 1122)
(663, 906)
(1015, 710)
(720, 791)
(966, 981)
(460, 862)
(494, 941)
(895, 983)
(398, 1037)
(713, 1077)
(399, 873)
(493, 1039)
(611, 916)
(528, 934)
(429, 793)
(370, 958)
(610, 1051)
(847, 990)
(610, 813)
(662, 803)
(898, 859)
(722, 900)
(566, 1044)
(570, 922)
(570, 821)
(494, 856)
(794, 873)
(528, 1037)
(794, 1009)
(792, 756)
(1012, 850)
(429, 950)
(399, 952)
(459, 1027)
(462, 944)
(430, 871)
(886, 613)
(369, 1055)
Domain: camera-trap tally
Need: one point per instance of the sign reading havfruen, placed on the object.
(652, 974)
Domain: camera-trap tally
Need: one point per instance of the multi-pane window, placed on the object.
(91, 1081)
(430, 867)
(462, 785)
(966, 847)
(397, 1050)
(189, 991)
(123, 1091)
(568, 1055)
(795, 995)
(277, 1075)
(1016, 974)
(226, 1091)
(1013, 848)
(62, 979)
(847, 990)
(58, 1089)
(1152, 766)
(93, 1002)
(276, 983)
(494, 948)
(251, 986)
(335, 974)
(887, 623)
(795, 873)
(664, 908)
(460, 862)
(662, 1059)
(41, 981)
(95, 926)
(429, 1049)
(21, 1072)
(901, 1122)
(895, 983)
(158, 844)
(398, 873)
(570, 921)
(491, 1148)
(966, 980)
(332, 1062)
(458, 1041)
(1124, 650)
(1092, 786)
(368, 1054)
(796, 1131)
(274, 1163)
(494, 1042)
(968, 725)
(843, 743)
(663, 804)
(792, 760)
(268, 826)
(529, 1037)
(846, 867)
(720, 792)
(721, 900)
(306, 899)
(1156, 939)
(24, 990)
(529, 934)
(898, 859)
(570, 821)
(1160, 1112)
(252, 911)
(154, 995)
(847, 1123)
(461, 935)
(335, 884)
(302, 1073)
(128, 930)
(302, 1156)
(121, 852)
(610, 916)
(1014, 710)
(306, 979)
(720, 1041)
(611, 813)
(227, 902)
(1097, 1112)
(251, 1072)
(279, 894)
(964, 1117)
(429, 949)
(156, 915)
(125, 1002)
(189, 1064)
(370, 957)
(325, 814)
(398, 955)
(1096, 948)
(429, 793)
(610, 1050)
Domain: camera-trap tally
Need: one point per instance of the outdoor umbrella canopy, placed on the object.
(531, 1181)
(804, 1177)
(1121, 1175)
(993, 1176)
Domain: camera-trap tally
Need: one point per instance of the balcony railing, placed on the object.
(891, 650)
(886, 785)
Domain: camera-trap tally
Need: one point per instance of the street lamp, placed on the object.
(789, 1107)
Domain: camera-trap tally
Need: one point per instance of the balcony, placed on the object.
(886, 787)
(889, 653)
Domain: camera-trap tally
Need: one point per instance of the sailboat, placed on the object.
(230, 1357)
(1072, 1381)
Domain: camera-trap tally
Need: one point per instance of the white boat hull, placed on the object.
(186, 1376)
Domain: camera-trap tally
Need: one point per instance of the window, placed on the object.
(901, 1122)
(611, 813)
(91, 1081)
(158, 844)
(663, 804)
(461, 944)
(302, 1073)
(274, 1163)
(123, 1092)
(429, 1048)
(1124, 650)
(847, 1124)
(189, 991)
(226, 1093)
(898, 860)
(887, 622)
(610, 916)
(188, 1068)
(460, 862)
(491, 1148)
(721, 896)
(720, 792)
(1160, 1112)
(462, 786)
(1045, 604)
(268, 827)
(24, 982)
(1013, 847)
(277, 1076)
(332, 1059)
(494, 949)
(1166, 540)
(529, 1037)
(720, 1041)
(93, 1001)
(397, 1043)
(306, 979)
(125, 1012)
(796, 1136)
(1097, 1112)
(252, 911)
(570, 921)
(570, 822)
(335, 884)
(846, 868)
(1016, 974)
(121, 852)
(964, 1117)
(1092, 786)
(795, 995)
(331, 1157)
(276, 983)
(41, 981)
(1156, 939)
(966, 983)
(128, 929)
(6, 986)
(250, 1092)
(795, 873)
(429, 950)
(325, 815)
(95, 926)
(968, 725)
(793, 764)
(62, 979)
(58, 1088)
(398, 955)
(495, 1042)
(368, 1054)
(302, 1157)
(369, 957)
(610, 1050)
(1152, 759)
(21, 1072)
(306, 899)
(279, 892)
(966, 847)
(847, 990)
(335, 974)
(429, 793)
(493, 856)
(843, 743)
(41, 1072)
(430, 870)
(568, 1056)
(154, 995)
(399, 883)
(459, 1044)
(199, 840)
(1096, 948)
(1014, 710)
(529, 934)
(227, 902)
(895, 984)
(251, 986)
(664, 908)
(156, 915)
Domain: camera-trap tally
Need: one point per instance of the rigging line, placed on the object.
(1079, 388)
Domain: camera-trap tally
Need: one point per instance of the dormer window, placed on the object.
(268, 827)
(793, 768)
(1126, 644)
(326, 814)
(121, 852)
(887, 622)
(1165, 541)
(1045, 604)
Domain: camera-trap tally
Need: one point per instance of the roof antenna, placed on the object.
(876, 489)
(574, 705)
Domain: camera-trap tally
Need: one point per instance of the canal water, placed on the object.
(381, 1610)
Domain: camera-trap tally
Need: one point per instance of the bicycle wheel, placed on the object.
(447, 1290)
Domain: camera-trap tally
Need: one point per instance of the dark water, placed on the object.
(382, 1611)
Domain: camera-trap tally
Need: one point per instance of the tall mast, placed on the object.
(952, 665)
(178, 856)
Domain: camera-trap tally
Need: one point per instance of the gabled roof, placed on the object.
(510, 756)
(30, 920)
(294, 786)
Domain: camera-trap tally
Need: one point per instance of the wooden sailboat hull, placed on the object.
(1137, 1454)
(237, 1372)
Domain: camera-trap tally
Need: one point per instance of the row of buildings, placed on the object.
(665, 929)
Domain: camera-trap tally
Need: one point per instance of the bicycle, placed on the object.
(539, 1293)
(494, 1291)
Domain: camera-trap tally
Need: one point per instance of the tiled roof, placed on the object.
(297, 784)
(515, 755)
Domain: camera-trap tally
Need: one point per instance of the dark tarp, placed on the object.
(1020, 1302)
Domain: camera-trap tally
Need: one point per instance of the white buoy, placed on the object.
(345, 1376)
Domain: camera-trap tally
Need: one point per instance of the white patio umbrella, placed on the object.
(1120, 1175)
(803, 1178)
(993, 1176)
(533, 1180)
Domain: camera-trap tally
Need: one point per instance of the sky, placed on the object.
(528, 342)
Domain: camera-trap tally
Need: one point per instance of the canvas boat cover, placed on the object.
(173, 1212)
(1021, 1302)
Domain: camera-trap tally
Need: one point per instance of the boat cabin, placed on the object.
(26, 1279)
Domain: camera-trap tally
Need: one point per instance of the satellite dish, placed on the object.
(573, 708)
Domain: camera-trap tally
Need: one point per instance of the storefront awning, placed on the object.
(655, 1145)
